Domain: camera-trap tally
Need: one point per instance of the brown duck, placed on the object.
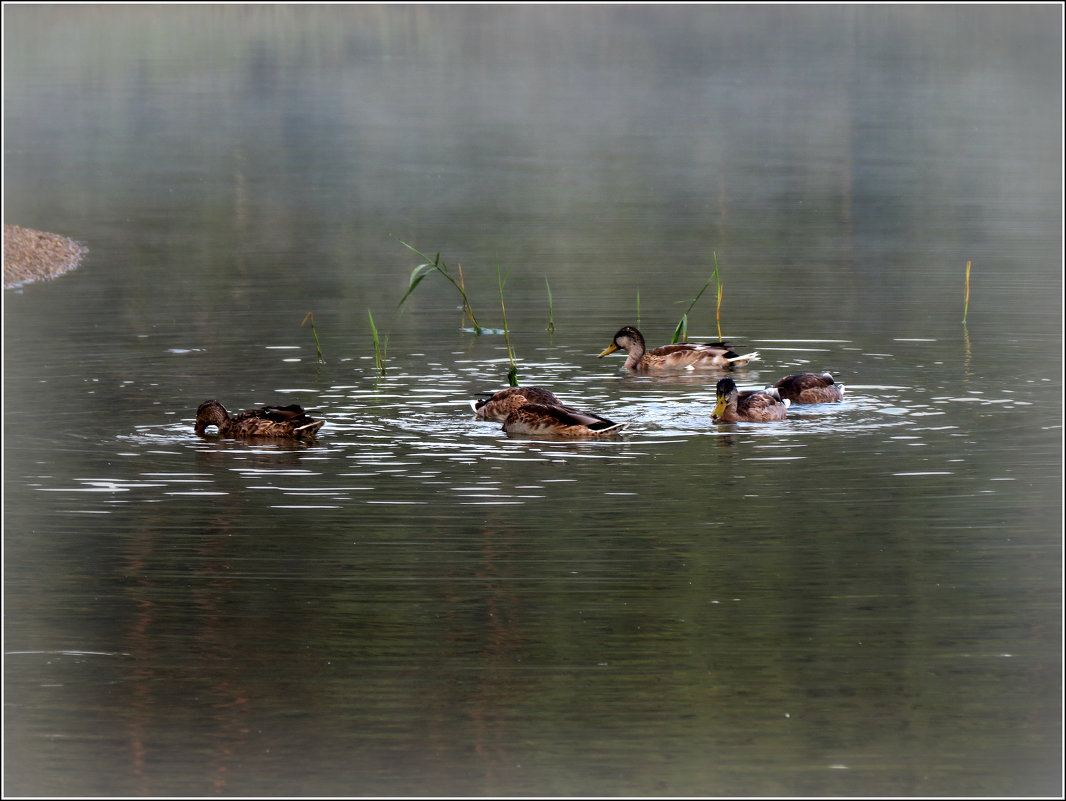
(290, 422)
(810, 388)
(507, 400)
(713, 355)
(754, 406)
(540, 419)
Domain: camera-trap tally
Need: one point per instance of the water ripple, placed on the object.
(417, 426)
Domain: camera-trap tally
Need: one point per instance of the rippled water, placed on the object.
(861, 599)
(417, 595)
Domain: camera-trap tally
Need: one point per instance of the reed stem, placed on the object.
(512, 373)
(466, 303)
(681, 332)
(318, 347)
(437, 266)
(966, 305)
(379, 348)
(718, 306)
(551, 316)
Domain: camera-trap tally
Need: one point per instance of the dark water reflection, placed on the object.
(863, 599)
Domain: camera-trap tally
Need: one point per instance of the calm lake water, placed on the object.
(863, 599)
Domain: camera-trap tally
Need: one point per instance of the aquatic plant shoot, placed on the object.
(512, 373)
(681, 331)
(437, 266)
(379, 347)
(551, 317)
(318, 347)
(966, 303)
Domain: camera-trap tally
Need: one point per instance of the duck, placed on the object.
(544, 419)
(809, 388)
(502, 403)
(753, 406)
(716, 355)
(290, 422)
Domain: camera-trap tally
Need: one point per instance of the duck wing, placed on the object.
(293, 413)
(810, 388)
(681, 347)
(717, 354)
(543, 415)
(801, 381)
(761, 402)
(502, 403)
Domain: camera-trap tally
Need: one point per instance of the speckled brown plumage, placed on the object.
(507, 400)
(539, 419)
(810, 388)
(712, 355)
(753, 406)
(290, 422)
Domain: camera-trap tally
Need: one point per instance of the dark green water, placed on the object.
(864, 599)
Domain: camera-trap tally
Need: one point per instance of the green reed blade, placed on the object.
(318, 346)
(966, 305)
(681, 332)
(682, 327)
(512, 373)
(718, 305)
(379, 348)
(437, 266)
(551, 315)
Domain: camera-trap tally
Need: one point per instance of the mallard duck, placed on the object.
(810, 388)
(540, 419)
(753, 406)
(718, 355)
(507, 400)
(291, 421)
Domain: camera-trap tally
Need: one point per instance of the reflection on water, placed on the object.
(398, 428)
(861, 599)
(416, 589)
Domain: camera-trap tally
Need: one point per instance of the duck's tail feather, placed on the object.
(747, 357)
(310, 428)
(612, 429)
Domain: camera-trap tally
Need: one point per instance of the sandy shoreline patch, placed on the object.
(31, 255)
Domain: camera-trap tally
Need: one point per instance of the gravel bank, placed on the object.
(36, 255)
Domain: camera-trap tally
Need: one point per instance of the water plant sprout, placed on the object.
(512, 373)
(966, 304)
(311, 317)
(681, 332)
(379, 347)
(551, 317)
(437, 266)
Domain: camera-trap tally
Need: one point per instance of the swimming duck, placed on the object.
(810, 388)
(291, 421)
(755, 406)
(718, 355)
(541, 419)
(507, 400)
